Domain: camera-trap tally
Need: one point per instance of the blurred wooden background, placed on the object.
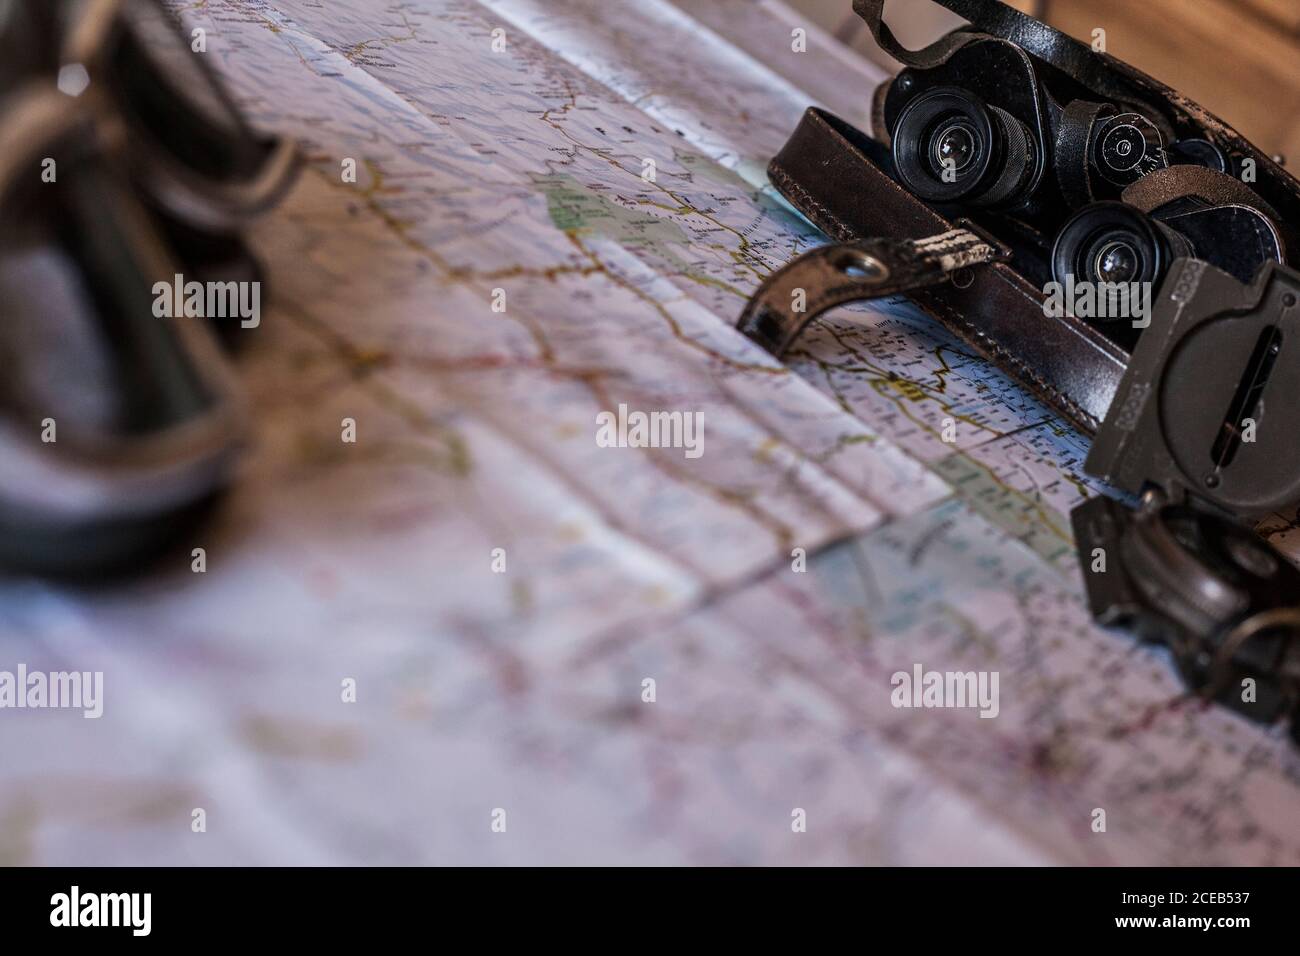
(1238, 58)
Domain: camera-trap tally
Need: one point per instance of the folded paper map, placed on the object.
(471, 601)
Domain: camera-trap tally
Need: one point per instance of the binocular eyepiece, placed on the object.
(951, 147)
(1114, 242)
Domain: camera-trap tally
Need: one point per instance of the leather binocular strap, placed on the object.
(1165, 185)
(835, 175)
(828, 276)
(993, 18)
(873, 12)
(1070, 156)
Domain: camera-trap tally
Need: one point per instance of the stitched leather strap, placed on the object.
(796, 294)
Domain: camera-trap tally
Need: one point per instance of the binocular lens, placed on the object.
(953, 146)
(1117, 261)
(1113, 242)
(950, 147)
